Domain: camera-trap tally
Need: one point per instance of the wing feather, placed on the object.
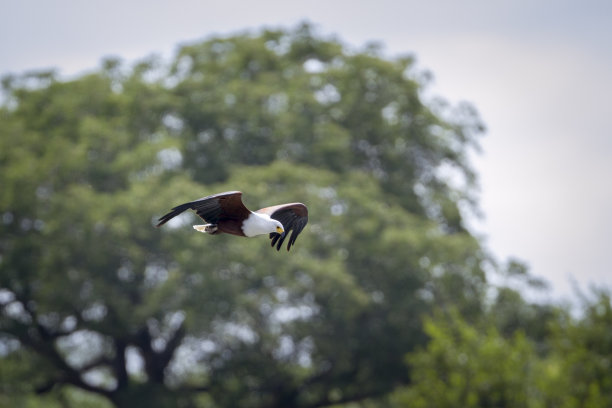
(293, 216)
(212, 208)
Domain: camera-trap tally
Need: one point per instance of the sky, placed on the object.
(538, 72)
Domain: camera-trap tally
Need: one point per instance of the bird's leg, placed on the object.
(207, 228)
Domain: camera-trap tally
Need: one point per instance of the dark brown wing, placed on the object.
(293, 216)
(213, 208)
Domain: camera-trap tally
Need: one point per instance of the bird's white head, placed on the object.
(278, 227)
(258, 224)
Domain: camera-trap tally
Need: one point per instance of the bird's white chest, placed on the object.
(257, 224)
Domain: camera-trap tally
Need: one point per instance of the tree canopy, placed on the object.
(101, 309)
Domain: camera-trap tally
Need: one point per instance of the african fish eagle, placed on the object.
(225, 213)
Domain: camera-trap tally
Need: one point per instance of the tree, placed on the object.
(471, 366)
(581, 352)
(95, 299)
(563, 363)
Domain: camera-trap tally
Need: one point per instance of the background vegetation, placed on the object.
(385, 301)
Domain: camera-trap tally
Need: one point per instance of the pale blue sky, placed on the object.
(539, 73)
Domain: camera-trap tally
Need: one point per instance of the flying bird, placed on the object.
(225, 213)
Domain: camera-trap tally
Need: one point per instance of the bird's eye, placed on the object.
(279, 230)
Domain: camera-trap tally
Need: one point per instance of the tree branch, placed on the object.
(97, 362)
(119, 364)
(156, 362)
(40, 340)
(172, 345)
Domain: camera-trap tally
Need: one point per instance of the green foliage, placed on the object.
(88, 285)
(476, 365)
(295, 97)
(581, 356)
(470, 366)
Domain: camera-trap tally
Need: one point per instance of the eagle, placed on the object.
(225, 213)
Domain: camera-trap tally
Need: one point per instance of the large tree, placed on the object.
(94, 298)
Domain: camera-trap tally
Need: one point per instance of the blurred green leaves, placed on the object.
(470, 367)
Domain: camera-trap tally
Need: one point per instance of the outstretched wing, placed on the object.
(212, 208)
(293, 216)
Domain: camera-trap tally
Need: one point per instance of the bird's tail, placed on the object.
(173, 213)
